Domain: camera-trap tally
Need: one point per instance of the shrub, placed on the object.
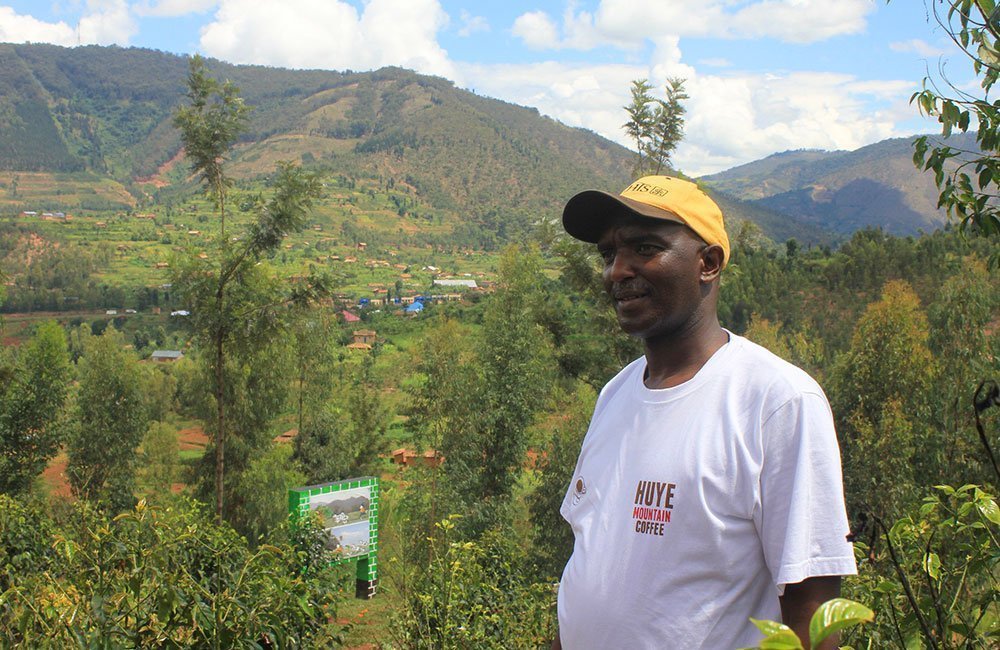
(170, 577)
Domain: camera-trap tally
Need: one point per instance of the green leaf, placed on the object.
(988, 55)
(777, 636)
(932, 565)
(988, 509)
(835, 615)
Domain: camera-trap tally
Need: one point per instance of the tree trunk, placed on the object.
(220, 433)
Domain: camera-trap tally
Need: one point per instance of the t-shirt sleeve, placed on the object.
(801, 517)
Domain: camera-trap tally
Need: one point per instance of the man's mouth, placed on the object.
(628, 296)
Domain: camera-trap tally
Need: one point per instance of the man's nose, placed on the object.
(620, 267)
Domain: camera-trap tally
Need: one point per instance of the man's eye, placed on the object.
(607, 254)
(647, 249)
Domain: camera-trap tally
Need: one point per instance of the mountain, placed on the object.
(97, 113)
(843, 191)
(89, 128)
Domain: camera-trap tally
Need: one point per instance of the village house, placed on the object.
(364, 336)
(409, 458)
(166, 356)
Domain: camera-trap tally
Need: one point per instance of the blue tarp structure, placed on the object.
(415, 307)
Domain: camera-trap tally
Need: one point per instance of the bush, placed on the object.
(475, 595)
(169, 577)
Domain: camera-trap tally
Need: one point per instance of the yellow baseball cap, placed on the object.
(587, 214)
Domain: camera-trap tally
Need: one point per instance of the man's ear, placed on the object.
(711, 262)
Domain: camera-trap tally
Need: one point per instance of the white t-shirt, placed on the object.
(693, 506)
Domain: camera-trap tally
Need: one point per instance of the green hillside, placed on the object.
(451, 164)
(468, 159)
(843, 191)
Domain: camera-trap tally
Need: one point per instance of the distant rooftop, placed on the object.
(164, 355)
(456, 283)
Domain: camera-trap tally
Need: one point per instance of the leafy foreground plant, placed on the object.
(160, 577)
(945, 563)
(475, 596)
(830, 618)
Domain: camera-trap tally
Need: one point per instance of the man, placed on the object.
(708, 489)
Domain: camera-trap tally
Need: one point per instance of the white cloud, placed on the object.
(801, 21)
(628, 23)
(18, 28)
(917, 46)
(731, 119)
(718, 62)
(330, 34)
(173, 8)
(472, 24)
(107, 22)
(103, 22)
(537, 30)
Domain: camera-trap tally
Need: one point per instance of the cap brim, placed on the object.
(588, 214)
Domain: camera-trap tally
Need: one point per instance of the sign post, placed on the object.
(349, 511)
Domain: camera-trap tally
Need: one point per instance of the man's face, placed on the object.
(653, 273)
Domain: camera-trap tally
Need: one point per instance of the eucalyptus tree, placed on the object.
(209, 126)
(111, 420)
(236, 305)
(656, 125)
(32, 391)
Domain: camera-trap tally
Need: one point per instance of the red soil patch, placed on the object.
(55, 476)
(156, 179)
(192, 438)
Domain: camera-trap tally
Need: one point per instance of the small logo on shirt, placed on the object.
(579, 489)
(654, 501)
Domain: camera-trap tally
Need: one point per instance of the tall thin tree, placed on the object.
(221, 315)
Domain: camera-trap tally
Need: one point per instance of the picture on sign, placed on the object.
(345, 518)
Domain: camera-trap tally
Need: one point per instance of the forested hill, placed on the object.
(844, 191)
(90, 128)
(107, 111)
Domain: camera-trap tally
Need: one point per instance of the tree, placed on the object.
(32, 392)
(234, 304)
(656, 125)
(969, 181)
(159, 454)
(484, 458)
(552, 536)
(209, 126)
(112, 419)
(314, 340)
(262, 492)
(346, 438)
(879, 390)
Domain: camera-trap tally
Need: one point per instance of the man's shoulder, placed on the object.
(754, 365)
(622, 379)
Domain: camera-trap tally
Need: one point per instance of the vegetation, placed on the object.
(656, 125)
(968, 180)
(224, 294)
(901, 331)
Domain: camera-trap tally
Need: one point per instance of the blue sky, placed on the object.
(763, 75)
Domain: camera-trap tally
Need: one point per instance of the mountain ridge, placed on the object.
(96, 116)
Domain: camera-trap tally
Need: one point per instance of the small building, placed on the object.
(349, 317)
(364, 347)
(470, 284)
(364, 336)
(166, 356)
(409, 458)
